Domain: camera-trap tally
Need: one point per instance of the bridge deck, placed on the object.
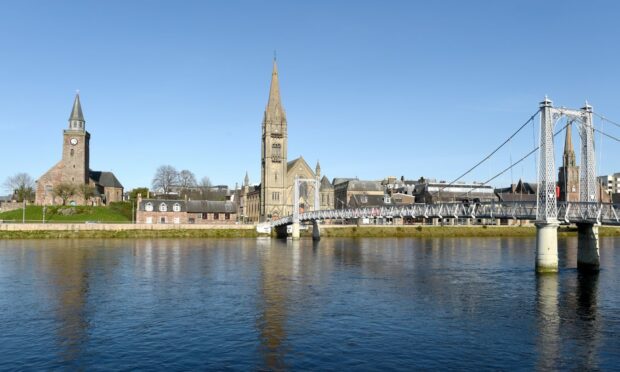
(568, 212)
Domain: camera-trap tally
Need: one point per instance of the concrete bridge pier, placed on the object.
(295, 231)
(547, 247)
(281, 232)
(588, 258)
(316, 231)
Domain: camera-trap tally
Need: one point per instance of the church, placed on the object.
(74, 170)
(273, 198)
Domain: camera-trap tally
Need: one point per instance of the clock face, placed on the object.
(74, 141)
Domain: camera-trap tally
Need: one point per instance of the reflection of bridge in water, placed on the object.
(588, 213)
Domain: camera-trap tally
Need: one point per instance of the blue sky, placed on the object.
(371, 88)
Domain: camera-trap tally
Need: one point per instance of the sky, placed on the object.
(371, 88)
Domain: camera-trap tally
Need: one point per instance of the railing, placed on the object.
(603, 213)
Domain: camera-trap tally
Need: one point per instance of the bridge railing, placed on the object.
(522, 210)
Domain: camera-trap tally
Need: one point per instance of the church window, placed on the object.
(72, 151)
(148, 207)
(176, 207)
(276, 152)
(275, 196)
(163, 207)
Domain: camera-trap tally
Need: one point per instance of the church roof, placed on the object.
(76, 111)
(274, 109)
(105, 179)
(357, 185)
(291, 164)
(325, 184)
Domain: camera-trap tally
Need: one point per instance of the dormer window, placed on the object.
(148, 207)
(176, 207)
(163, 207)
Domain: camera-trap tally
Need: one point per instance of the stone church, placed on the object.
(74, 169)
(273, 198)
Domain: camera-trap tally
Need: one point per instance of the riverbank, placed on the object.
(71, 231)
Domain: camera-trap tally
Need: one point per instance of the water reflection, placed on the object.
(278, 305)
(548, 319)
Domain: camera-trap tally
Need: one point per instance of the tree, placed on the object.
(87, 191)
(133, 194)
(64, 191)
(166, 176)
(205, 187)
(21, 185)
(187, 179)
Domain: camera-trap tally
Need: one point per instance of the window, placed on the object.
(177, 220)
(148, 207)
(216, 216)
(163, 207)
(276, 152)
(162, 220)
(176, 207)
(149, 220)
(192, 220)
(275, 196)
(227, 216)
(205, 216)
(72, 152)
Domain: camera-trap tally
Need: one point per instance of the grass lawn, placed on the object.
(117, 212)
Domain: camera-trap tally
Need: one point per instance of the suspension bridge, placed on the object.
(588, 212)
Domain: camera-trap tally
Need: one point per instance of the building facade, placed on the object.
(201, 212)
(74, 169)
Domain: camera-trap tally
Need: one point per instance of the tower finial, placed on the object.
(275, 55)
(76, 119)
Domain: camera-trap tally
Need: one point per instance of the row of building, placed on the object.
(272, 198)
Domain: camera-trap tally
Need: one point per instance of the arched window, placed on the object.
(163, 207)
(176, 207)
(148, 207)
(72, 152)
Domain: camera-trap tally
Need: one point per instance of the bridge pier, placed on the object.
(547, 247)
(316, 231)
(588, 258)
(281, 232)
(295, 231)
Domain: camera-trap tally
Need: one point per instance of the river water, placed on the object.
(355, 304)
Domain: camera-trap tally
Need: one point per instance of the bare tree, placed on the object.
(21, 185)
(64, 191)
(166, 176)
(187, 179)
(205, 187)
(87, 191)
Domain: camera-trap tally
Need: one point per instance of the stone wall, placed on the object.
(113, 226)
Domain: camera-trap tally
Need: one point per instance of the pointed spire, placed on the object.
(274, 109)
(246, 180)
(569, 152)
(76, 119)
(317, 170)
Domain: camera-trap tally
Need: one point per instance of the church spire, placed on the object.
(246, 180)
(274, 109)
(568, 158)
(76, 120)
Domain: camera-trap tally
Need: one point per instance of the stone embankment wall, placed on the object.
(10, 206)
(114, 227)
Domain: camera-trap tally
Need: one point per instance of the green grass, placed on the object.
(116, 212)
(110, 234)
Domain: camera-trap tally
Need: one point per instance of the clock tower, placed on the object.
(75, 147)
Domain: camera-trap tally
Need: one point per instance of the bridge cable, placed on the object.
(491, 154)
(607, 120)
(512, 165)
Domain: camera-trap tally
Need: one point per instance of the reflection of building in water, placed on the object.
(587, 314)
(67, 269)
(548, 321)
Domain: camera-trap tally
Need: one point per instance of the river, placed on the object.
(354, 304)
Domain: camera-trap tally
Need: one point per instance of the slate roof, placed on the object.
(338, 180)
(357, 185)
(105, 179)
(157, 202)
(325, 183)
(209, 206)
